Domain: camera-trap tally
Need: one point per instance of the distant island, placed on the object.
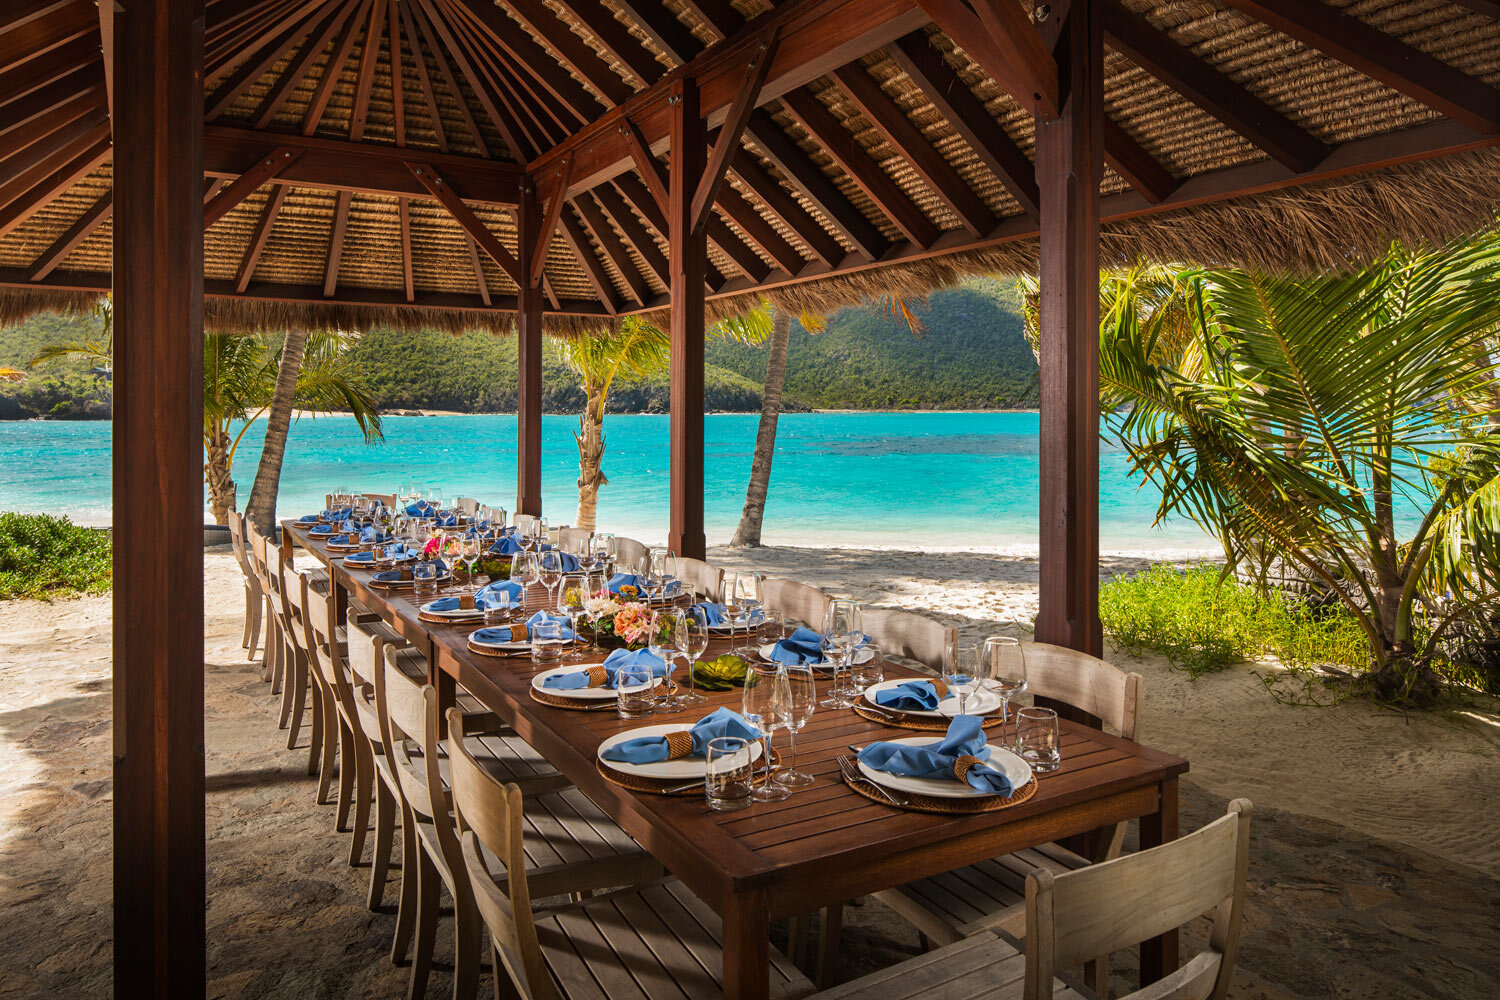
(972, 355)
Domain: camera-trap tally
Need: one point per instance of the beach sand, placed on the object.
(1374, 860)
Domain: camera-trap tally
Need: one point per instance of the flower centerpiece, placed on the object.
(621, 622)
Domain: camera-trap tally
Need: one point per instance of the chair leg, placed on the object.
(828, 944)
(468, 945)
(428, 881)
(1096, 976)
(325, 737)
(348, 778)
(295, 694)
(245, 639)
(268, 648)
(406, 908)
(380, 858)
(504, 988)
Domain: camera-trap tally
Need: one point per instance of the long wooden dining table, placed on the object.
(825, 844)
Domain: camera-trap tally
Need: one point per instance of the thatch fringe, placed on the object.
(19, 304)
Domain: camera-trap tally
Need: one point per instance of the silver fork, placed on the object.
(853, 776)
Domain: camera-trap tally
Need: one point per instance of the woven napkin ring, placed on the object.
(518, 633)
(466, 602)
(598, 677)
(963, 765)
(405, 574)
(679, 744)
(939, 688)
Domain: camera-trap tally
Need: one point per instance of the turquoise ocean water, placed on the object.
(914, 480)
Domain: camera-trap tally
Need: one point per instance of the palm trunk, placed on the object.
(748, 532)
(590, 438)
(216, 472)
(262, 506)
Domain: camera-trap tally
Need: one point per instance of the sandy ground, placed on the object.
(1374, 858)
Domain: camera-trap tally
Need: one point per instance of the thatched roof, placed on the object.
(1236, 142)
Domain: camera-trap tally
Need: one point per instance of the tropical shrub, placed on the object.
(45, 556)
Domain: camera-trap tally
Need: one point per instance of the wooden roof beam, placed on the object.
(336, 243)
(728, 140)
(424, 24)
(1376, 54)
(250, 178)
(73, 237)
(44, 110)
(459, 51)
(403, 215)
(465, 217)
(663, 28)
(254, 68)
(70, 137)
(1176, 66)
(968, 116)
(999, 36)
(867, 174)
(550, 216)
(259, 239)
(30, 40)
(332, 70)
(53, 181)
(781, 203)
(615, 38)
(226, 59)
(571, 49)
(743, 214)
(479, 278)
(1131, 161)
(907, 139)
(636, 234)
(594, 218)
(423, 77)
(578, 242)
(364, 81)
(33, 75)
(299, 67)
(537, 62)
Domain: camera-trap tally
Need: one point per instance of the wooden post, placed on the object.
(689, 149)
(1069, 166)
(159, 898)
(528, 357)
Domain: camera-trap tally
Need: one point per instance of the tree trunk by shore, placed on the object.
(261, 510)
(748, 533)
(590, 438)
(216, 472)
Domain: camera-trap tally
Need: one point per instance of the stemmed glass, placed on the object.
(692, 642)
(843, 630)
(452, 551)
(802, 701)
(765, 705)
(550, 571)
(961, 671)
(650, 582)
(1005, 669)
(663, 643)
(472, 546)
(747, 599)
(570, 595)
(523, 570)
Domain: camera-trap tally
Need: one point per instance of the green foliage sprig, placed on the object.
(45, 556)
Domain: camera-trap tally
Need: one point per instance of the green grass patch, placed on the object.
(44, 556)
(1201, 624)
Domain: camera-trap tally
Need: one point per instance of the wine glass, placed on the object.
(961, 671)
(453, 551)
(523, 570)
(550, 572)
(843, 631)
(570, 595)
(765, 705)
(748, 599)
(1005, 671)
(802, 701)
(692, 642)
(663, 643)
(471, 549)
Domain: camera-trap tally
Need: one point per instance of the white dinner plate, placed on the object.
(427, 609)
(1014, 768)
(364, 559)
(861, 655)
(401, 583)
(682, 769)
(978, 703)
(582, 694)
(512, 647)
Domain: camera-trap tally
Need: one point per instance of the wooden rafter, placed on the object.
(52, 106)
(782, 204)
(47, 68)
(572, 50)
(616, 40)
(253, 69)
(403, 212)
(418, 13)
(333, 69)
(336, 243)
(48, 149)
(636, 234)
(53, 183)
(398, 73)
(250, 179)
(522, 51)
(662, 27)
(733, 127)
(465, 217)
(1131, 161)
(460, 54)
(968, 116)
(867, 174)
(424, 77)
(907, 139)
(300, 66)
(743, 214)
(73, 237)
(261, 235)
(639, 196)
(369, 54)
(1374, 53)
(1177, 67)
(271, 35)
(45, 33)
(550, 215)
(1001, 39)
(524, 120)
(578, 242)
(594, 218)
(479, 278)
(645, 164)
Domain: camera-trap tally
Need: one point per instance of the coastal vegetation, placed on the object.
(44, 556)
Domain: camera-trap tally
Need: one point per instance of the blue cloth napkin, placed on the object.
(506, 546)
(394, 575)
(309, 519)
(544, 616)
(566, 561)
(448, 521)
(419, 509)
(938, 760)
(369, 557)
(919, 696)
(323, 529)
(713, 614)
(496, 595)
(336, 513)
(649, 749)
(802, 646)
(613, 664)
(625, 580)
(495, 633)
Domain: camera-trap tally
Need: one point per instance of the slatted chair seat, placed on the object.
(659, 942)
(982, 967)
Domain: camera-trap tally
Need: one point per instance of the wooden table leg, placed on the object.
(747, 946)
(1159, 955)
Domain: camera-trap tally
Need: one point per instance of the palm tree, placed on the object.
(1290, 417)
(240, 379)
(597, 359)
(261, 508)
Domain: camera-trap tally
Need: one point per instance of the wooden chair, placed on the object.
(524, 521)
(567, 835)
(322, 744)
(1098, 910)
(466, 505)
(254, 602)
(291, 671)
(653, 940)
(990, 896)
(911, 636)
(271, 647)
(700, 577)
(628, 554)
(796, 600)
(389, 499)
(573, 539)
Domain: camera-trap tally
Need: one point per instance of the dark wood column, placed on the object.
(158, 498)
(689, 149)
(1069, 165)
(528, 357)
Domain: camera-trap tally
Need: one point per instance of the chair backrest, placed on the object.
(629, 553)
(408, 712)
(291, 586)
(467, 505)
(796, 600)
(524, 521)
(356, 680)
(913, 636)
(1087, 683)
(257, 551)
(573, 539)
(237, 537)
(1082, 915)
(489, 815)
(389, 499)
(698, 575)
